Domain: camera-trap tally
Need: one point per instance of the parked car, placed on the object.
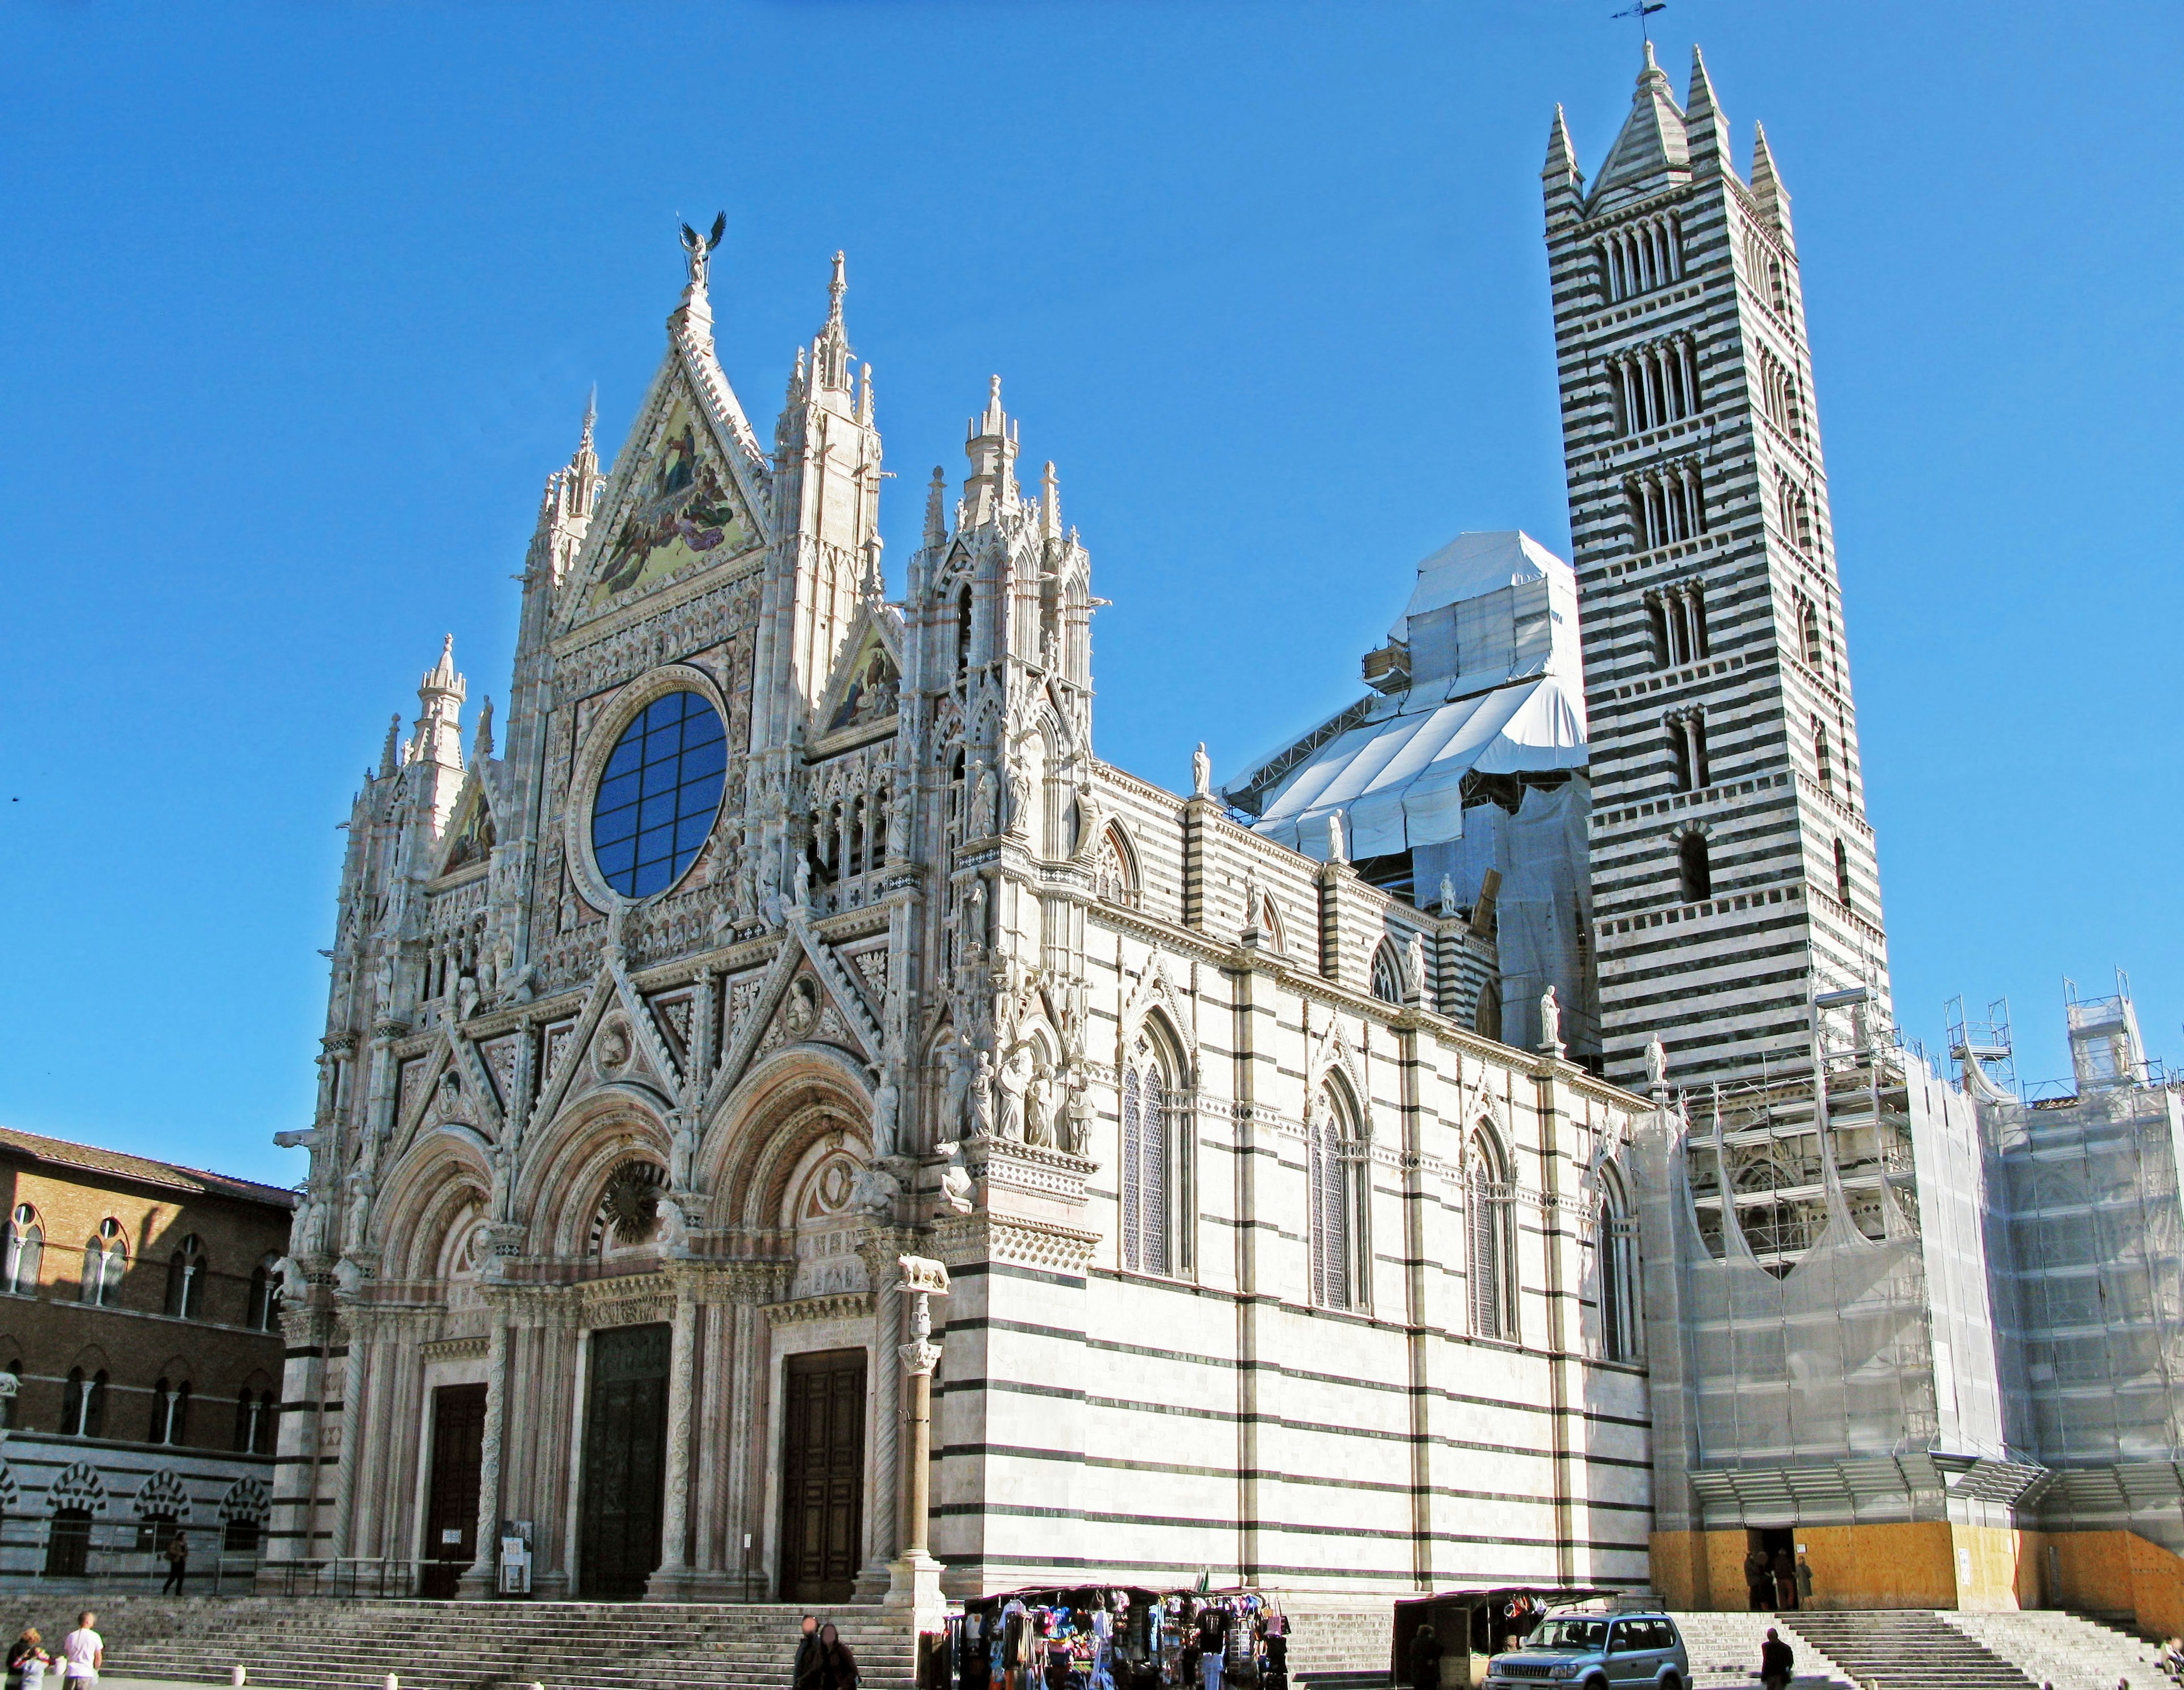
(1596, 1651)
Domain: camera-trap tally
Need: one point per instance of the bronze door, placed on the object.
(822, 1476)
(451, 1502)
(625, 1459)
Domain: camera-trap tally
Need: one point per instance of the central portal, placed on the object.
(625, 1459)
(822, 1476)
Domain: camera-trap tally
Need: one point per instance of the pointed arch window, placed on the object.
(265, 1295)
(185, 1276)
(171, 1413)
(256, 1419)
(1155, 1184)
(1115, 868)
(105, 1260)
(26, 1246)
(83, 1404)
(1490, 1247)
(1823, 765)
(1336, 1182)
(1842, 874)
(1387, 974)
(1615, 1248)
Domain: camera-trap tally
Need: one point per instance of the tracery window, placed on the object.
(105, 1260)
(1387, 974)
(1668, 505)
(26, 1244)
(1336, 1182)
(1615, 1247)
(1654, 385)
(1115, 868)
(1676, 618)
(186, 1274)
(1491, 1252)
(1157, 1200)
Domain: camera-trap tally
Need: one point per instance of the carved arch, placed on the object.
(163, 1493)
(754, 1140)
(438, 1176)
(1155, 990)
(559, 1191)
(77, 1486)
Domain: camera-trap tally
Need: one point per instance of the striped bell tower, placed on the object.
(1733, 867)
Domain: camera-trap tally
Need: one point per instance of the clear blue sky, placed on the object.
(301, 303)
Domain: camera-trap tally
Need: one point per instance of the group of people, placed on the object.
(83, 1652)
(1775, 1583)
(823, 1661)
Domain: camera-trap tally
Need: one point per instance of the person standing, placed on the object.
(27, 1661)
(838, 1667)
(1786, 1581)
(1425, 1658)
(178, 1562)
(83, 1652)
(801, 1675)
(1758, 1579)
(1775, 1660)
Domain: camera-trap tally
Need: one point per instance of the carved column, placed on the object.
(914, 1575)
(479, 1580)
(879, 1248)
(355, 1367)
(675, 1510)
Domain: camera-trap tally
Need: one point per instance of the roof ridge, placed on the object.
(45, 1143)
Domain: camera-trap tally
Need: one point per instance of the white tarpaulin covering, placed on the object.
(1397, 777)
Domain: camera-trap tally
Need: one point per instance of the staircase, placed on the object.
(1905, 1648)
(302, 1644)
(2067, 1650)
(1723, 1649)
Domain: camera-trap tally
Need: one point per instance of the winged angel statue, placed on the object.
(700, 248)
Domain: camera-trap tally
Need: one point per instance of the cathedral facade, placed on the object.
(789, 931)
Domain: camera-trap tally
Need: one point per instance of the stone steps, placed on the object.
(2069, 1651)
(324, 1644)
(1907, 1649)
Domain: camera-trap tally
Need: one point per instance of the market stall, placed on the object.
(1118, 1637)
(1472, 1625)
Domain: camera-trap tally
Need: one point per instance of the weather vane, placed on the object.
(1641, 10)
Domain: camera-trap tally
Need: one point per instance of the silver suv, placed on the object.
(1638, 1651)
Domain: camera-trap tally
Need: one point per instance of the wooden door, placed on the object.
(822, 1476)
(451, 1501)
(625, 1459)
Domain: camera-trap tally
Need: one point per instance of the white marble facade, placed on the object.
(1264, 1261)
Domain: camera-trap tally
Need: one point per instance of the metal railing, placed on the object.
(349, 1577)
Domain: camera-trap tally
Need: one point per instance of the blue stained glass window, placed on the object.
(659, 794)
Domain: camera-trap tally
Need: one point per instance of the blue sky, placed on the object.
(301, 303)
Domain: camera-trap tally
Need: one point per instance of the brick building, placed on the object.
(139, 1309)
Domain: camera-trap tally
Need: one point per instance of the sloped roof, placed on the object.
(142, 1169)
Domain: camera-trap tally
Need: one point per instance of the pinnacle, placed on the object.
(1562, 156)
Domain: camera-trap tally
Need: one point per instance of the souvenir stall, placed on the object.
(1472, 1625)
(1118, 1637)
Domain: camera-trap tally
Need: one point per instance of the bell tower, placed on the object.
(1733, 866)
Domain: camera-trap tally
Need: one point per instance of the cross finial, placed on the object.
(1641, 10)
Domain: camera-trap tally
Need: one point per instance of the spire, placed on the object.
(1652, 151)
(991, 448)
(1704, 121)
(1050, 504)
(830, 347)
(1562, 156)
(1768, 192)
(389, 753)
(440, 695)
(936, 525)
